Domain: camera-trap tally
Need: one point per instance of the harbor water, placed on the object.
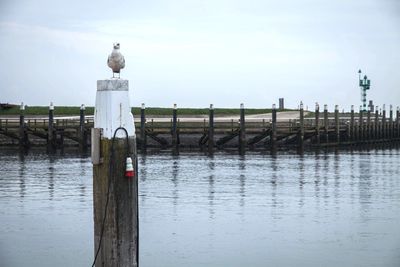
(319, 209)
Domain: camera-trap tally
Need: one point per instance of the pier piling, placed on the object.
(368, 126)
(23, 135)
(351, 130)
(300, 145)
(384, 128)
(211, 130)
(175, 143)
(361, 125)
(82, 130)
(115, 180)
(143, 136)
(273, 130)
(317, 132)
(376, 124)
(398, 122)
(242, 130)
(337, 126)
(51, 135)
(391, 122)
(326, 123)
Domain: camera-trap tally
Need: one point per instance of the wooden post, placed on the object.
(175, 145)
(376, 124)
(82, 130)
(51, 136)
(273, 130)
(361, 125)
(82, 118)
(143, 136)
(115, 178)
(301, 130)
(391, 122)
(398, 122)
(351, 131)
(337, 125)
(357, 130)
(384, 128)
(211, 130)
(242, 130)
(317, 133)
(368, 126)
(119, 241)
(23, 136)
(326, 123)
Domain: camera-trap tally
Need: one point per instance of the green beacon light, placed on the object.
(365, 85)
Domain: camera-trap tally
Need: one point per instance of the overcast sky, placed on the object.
(194, 53)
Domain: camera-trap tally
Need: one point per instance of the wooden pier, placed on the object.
(51, 132)
(212, 133)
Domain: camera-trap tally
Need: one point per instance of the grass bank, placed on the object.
(71, 110)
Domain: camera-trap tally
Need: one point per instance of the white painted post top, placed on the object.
(112, 108)
(113, 85)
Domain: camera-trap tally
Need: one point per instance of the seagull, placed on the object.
(116, 60)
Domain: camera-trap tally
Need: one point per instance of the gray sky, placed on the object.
(194, 53)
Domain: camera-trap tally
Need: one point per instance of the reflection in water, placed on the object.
(51, 176)
(326, 177)
(315, 206)
(211, 190)
(273, 181)
(175, 170)
(22, 173)
(46, 216)
(352, 176)
(142, 169)
(301, 184)
(364, 184)
(242, 179)
(82, 186)
(317, 178)
(336, 177)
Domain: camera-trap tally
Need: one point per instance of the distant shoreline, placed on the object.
(157, 111)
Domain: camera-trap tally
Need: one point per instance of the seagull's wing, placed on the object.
(122, 62)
